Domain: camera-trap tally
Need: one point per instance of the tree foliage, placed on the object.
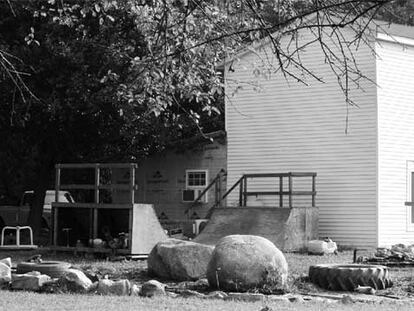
(114, 80)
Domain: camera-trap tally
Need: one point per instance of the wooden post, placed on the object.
(245, 191)
(241, 192)
(55, 225)
(57, 182)
(281, 191)
(132, 183)
(54, 209)
(313, 190)
(94, 214)
(290, 190)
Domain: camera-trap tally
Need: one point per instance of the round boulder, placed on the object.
(245, 262)
(179, 260)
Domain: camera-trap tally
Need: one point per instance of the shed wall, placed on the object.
(395, 72)
(275, 124)
(161, 178)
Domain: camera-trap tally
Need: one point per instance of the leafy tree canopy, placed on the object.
(112, 80)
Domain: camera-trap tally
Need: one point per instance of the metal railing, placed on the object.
(290, 193)
(242, 183)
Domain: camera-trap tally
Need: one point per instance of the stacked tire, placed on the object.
(349, 277)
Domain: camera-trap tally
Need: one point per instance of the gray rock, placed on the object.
(217, 295)
(135, 290)
(152, 288)
(246, 262)
(179, 260)
(201, 284)
(75, 281)
(29, 281)
(109, 287)
(191, 293)
(5, 271)
(249, 297)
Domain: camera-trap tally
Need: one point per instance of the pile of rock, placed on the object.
(238, 263)
(398, 254)
(68, 280)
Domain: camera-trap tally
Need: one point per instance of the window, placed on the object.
(410, 196)
(195, 179)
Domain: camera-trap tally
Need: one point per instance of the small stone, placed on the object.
(75, 281)
(217, 295)
(29, 281)
(5, 273)
(94, 287)
(249, 297)
(201, 284)
(6, 261)
(266, 308)
(277, 298)
(172, 295)
(152, 288)
(297, 299)
(346, 299)
(191, 293)
(109, 287)
(135, 290)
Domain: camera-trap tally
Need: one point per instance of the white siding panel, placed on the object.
(287, 126)
(395, 72)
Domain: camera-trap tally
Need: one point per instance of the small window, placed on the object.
(410, 196)
(196, 179)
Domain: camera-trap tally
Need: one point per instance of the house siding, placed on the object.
(288, 126)
(395, 72)
(161, 178)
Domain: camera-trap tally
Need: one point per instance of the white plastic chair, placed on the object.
(17, 230)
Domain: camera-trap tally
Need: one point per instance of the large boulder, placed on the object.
(179, 260)
(245, 262)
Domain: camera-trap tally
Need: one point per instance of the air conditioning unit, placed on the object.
(190, 195)
(199, 225)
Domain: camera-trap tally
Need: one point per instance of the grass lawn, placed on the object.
(136, 272)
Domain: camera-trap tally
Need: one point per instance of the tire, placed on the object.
(349, 277)
(54, 269)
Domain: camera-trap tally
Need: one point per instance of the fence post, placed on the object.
(313, 190)
(290, 190)
(244, 191)
(281, 191)
(241, 192)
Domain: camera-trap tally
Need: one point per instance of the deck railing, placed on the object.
(244, 193)
(280, 193)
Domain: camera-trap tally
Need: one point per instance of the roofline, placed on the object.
(378, 26)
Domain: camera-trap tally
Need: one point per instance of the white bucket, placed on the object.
(321, 247)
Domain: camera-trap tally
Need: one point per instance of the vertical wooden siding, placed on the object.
(395, 72)
(288, 126)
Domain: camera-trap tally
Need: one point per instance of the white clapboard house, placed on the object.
(363, 156)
